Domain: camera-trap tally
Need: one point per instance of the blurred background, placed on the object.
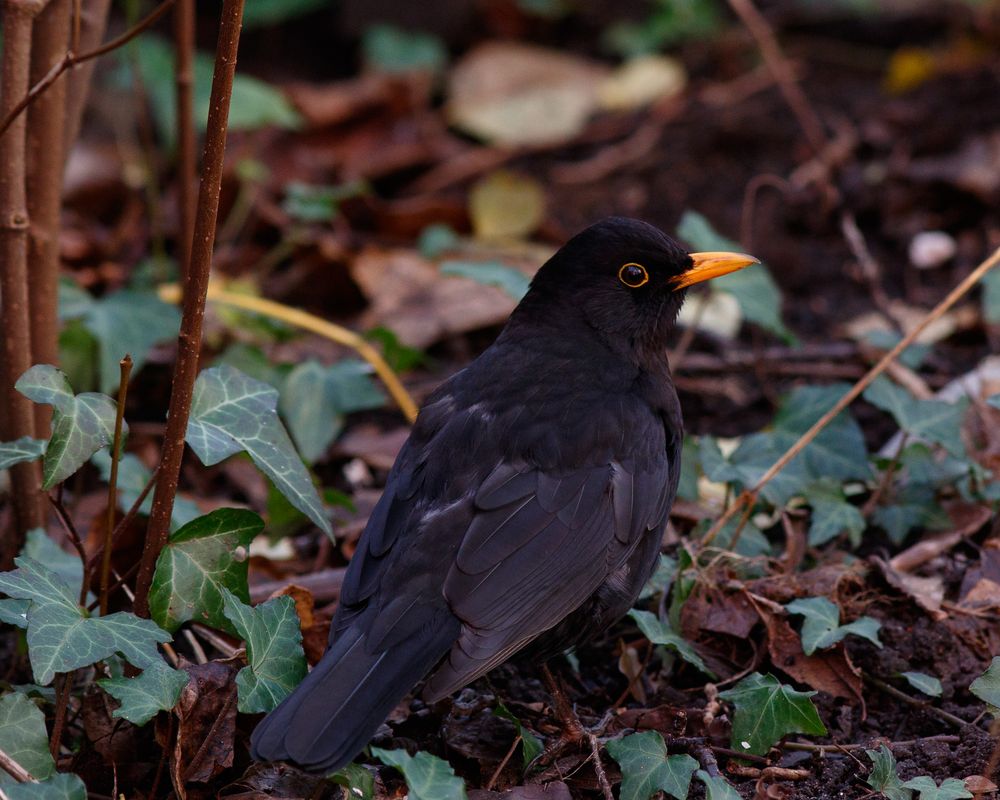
(390, 160)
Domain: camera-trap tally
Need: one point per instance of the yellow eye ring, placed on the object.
(633, 275)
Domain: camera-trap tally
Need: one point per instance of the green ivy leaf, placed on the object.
(490, 273)
(427, 777)
(199, 563)
(38, 546)
(766, 711)
(753, 288)
(61, 786)
(914, 506)
(262, 13)
(315, 398)
(132, 479)
(531, 745)
(231, 412)
(934, 420)
(950, 788)
(390, 49)
(358, 782)
(157, 689)
(647, 769)
(61, 637)
(659, 633)
(255, 104)
(319, 203)
(717, 788)
(832, 514)
(276, 663)
(922, 682)
(23, 737)
(127, 322)
(884, 778)
(20, 450)
(987, 686)
(81, 424)
(822, 628)
(991, 296)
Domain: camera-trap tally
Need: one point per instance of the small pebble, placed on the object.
(931, 249)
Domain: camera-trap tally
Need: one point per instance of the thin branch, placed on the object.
(15, 770)
(189, 340)
(45, 144)
(956, 294)
(310, 322)
(67, 523)
(123, 523)
(783, 74)
(125, 367)
(18, 21)
(187, 167)
(62, 704)
(903, 697)
(71, 60)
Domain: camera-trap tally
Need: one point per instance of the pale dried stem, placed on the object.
(125, 366)
(90, 20)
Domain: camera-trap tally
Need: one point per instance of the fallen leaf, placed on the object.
(506, 205)
(557, 790)
(927, 592)
(206, 724)
(967, 518)
(640, 81)
(516, 94)
(315, 631)
(409, 296)
(714, 610)
(830, 671)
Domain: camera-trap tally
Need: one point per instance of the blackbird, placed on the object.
(527, 507)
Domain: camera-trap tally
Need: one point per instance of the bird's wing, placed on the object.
(543, 540)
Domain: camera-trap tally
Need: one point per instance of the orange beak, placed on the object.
(711, 265)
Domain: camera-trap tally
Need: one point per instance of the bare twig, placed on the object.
(90, 20)
(18, 20)
(823, 749)
(189, 341)
(123, 523)
(15, 770)
(71, 59)
(956, 294)
(62, 706)
(187, 169)
(903, 697)
(783, 74)
(125, 366)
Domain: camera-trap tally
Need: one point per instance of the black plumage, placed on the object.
(528, 504)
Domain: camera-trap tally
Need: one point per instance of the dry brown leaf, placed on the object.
(517, 94)
(557, 790)
(206, 727)
(409, 295)
(927, 592)
(713, 610)
(966, 519)
(829, 671)
(315, 631)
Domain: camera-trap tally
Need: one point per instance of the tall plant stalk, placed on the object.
(189, 341)
(187, 168)
(46, 126)
(18, 20)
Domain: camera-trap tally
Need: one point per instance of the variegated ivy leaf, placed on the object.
(23, 737)
(231, 413)
(20, 450)
(81, 424)
(201, 560)
(63, 637)
(274, 651)
(157, 689)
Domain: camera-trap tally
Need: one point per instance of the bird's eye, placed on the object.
(633, 275)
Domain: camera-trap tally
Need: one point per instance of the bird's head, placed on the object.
(625, 279)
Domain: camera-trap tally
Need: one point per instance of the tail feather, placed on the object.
(336, 710)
